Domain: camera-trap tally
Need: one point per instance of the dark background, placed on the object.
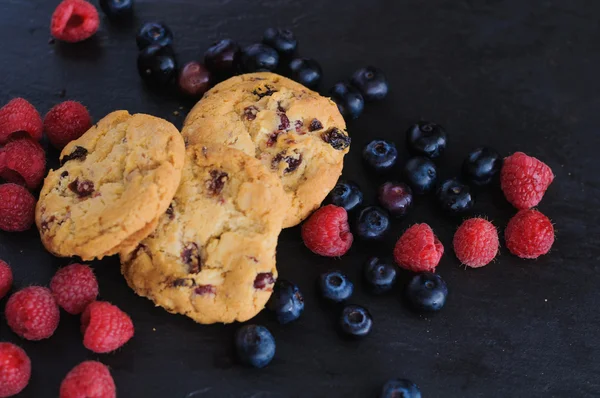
(513, 75)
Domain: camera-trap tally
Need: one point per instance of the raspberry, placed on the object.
(529, 234)
(74, 20)
(74, 287)
(476, 242)
(105, 327)
(23, 161)
(418, 249)
(19, 116)
(66, 122)
(15, 369)
(524, 180)
(327, 232)
(17, 208)
(89, 379)
(6, 279)
(32, 313)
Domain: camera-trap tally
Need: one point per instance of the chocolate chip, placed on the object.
(250, 112)
(315, 125)
(205, 289)
(191, 256)
(336, 138)
(82, 188)
(265, 92)
(64, 174)
(78, 153)
(183, 282)
(217, 181)
(292, 162)
(263, 279)
(298, 124)
(169, 212)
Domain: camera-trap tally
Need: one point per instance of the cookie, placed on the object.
(296, 133)
(113, 184)
(212, 256)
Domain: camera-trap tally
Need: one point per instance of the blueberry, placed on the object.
(380, 155)
(396, 197)
(356, 321)
(400, 388)
(426, 292)
(454, 196)
(426, 139)
(482, 165)
(373, 223)
(223, 56)
(306, 71)
(371, 82)
(348, 99)
(346, 194)
(286, 302)
(255, 345)
(259, 57)
(154, 33)
(420, 173)
(335, 286)
(194, 79)
(157, 65)
(117, 9)
(282, 40)
(380, 276)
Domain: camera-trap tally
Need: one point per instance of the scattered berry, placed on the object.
(327, 232)
(282, 40)
(286, 302)
(19, 116)
(380, 155)
(335, 286)
(117, 9)
(157, 65)
(372, 223)
(194, 79)
(259, 57)
(426, 139)
(32, 313)
(306, 71)
(89, 379)
(6, 279)
(421, 174)
(23, 161)
(223, 56)
(418, 249)
(355, 321)
(74, 21)
(346, 194)
(17, 208)
(380, 276)
(66, 122)
(255, 345)
(455, 197)
(400, 388)
(426, 292)
(396, 197)
(15, 369)
(524, 180)
(105, 327)
(529, 234)
(74, 287)
(349, 100)
(371, 83)
(476, 242)
(481, 166)
(154, 33)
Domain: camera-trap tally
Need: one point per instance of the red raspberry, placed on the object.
(327, 232)
(23, 161)
(32, 313)
(476, 242)
(74, 287)
(529, 234)
(89, 379)
(524, 180)
(74, 20)
(6, 279)
(418, 249)
(105, 327)
(19, 116)
(17, 208)
(66, 122)
(15, 369)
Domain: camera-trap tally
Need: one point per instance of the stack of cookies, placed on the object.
(196, 224)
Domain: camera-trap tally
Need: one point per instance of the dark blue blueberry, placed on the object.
(223, 56)
(157, 65)
(482, 165)
(380, 276)
(194, 79)
(306, 71)
(349, 100)
(454, 196)
(356, 321)
(380, 155)
(371, 82)
(346, 194)
(335, 286)
(426, 292)
(396, 197)
(426, 139)
(117, 9)
(259, 57)
(255, 345)
(286, 302)
(400, 388)
(282, 40)
(373, 223)
(420, 173)
(154, 33)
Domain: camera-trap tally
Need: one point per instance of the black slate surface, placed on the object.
(512, 74)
